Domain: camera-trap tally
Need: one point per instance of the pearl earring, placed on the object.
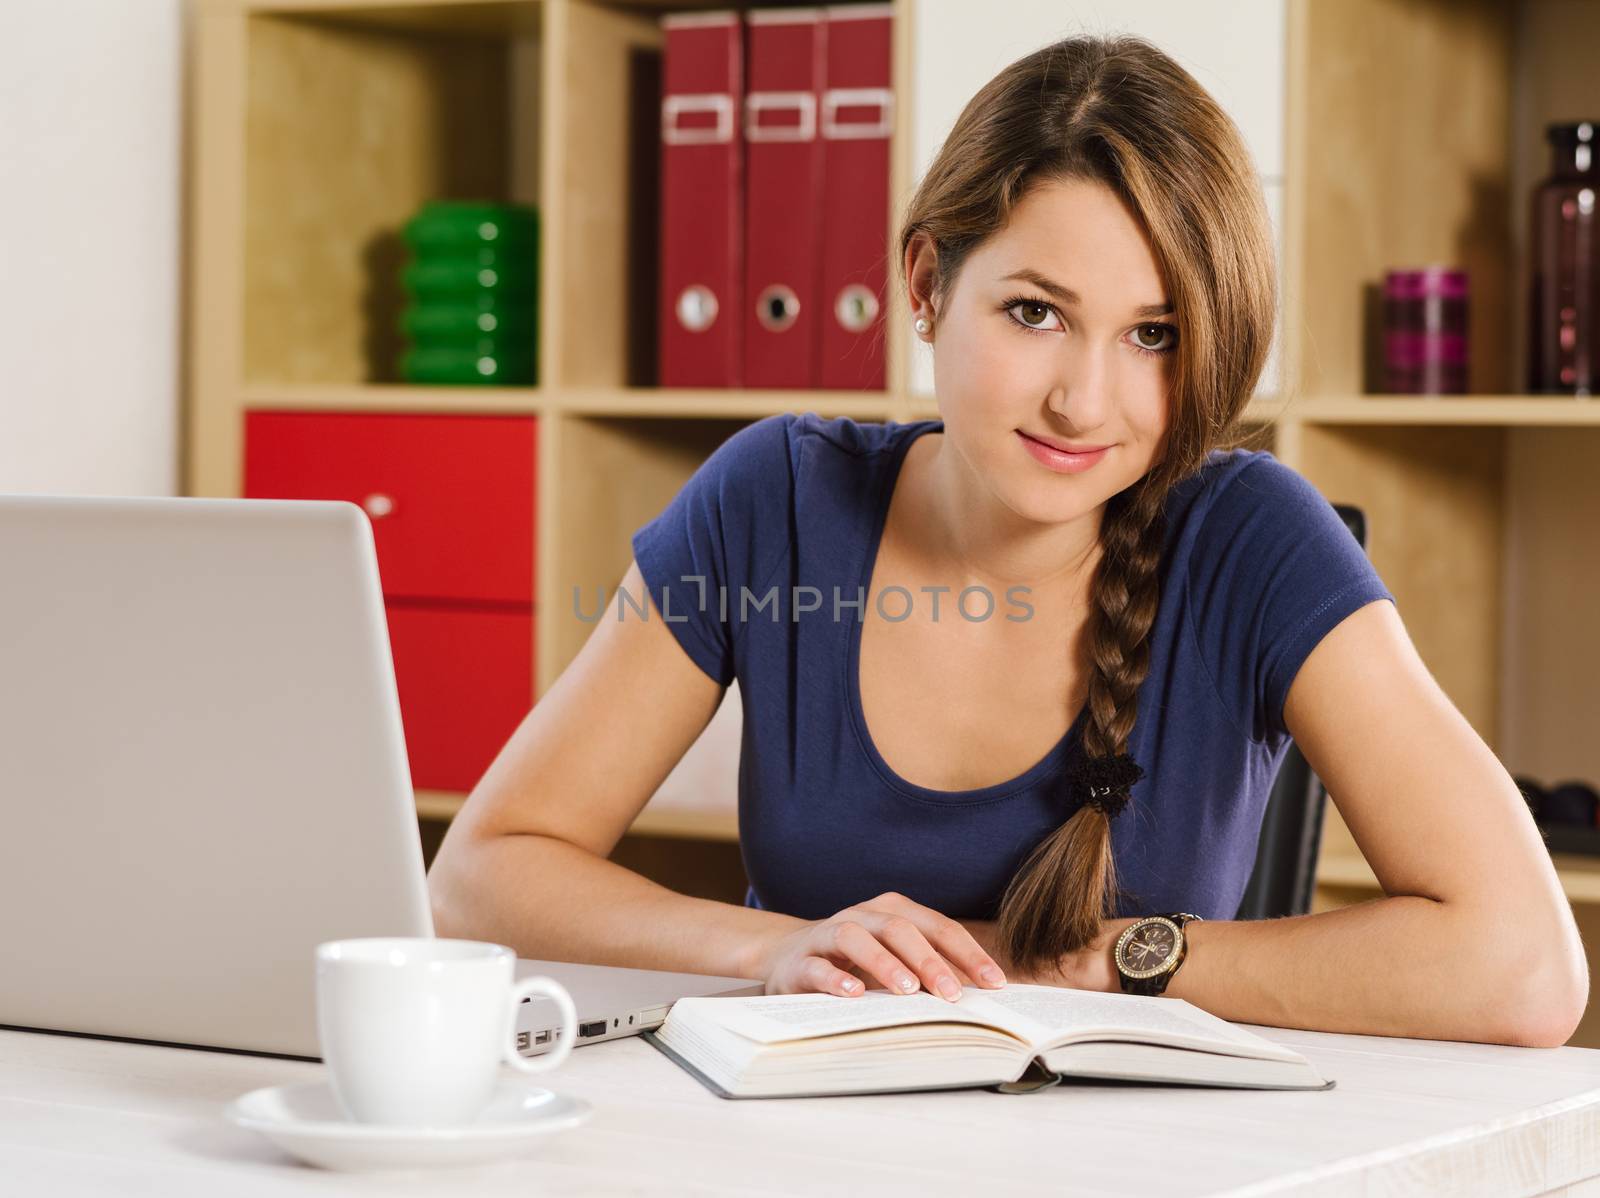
(922, 326)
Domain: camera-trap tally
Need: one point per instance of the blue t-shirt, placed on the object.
(1257, 568)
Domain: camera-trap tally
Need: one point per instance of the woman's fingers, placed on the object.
(822, 974)
(849, 939)
(893, 942)
(961, 948)
(911, 946)
(949, 937)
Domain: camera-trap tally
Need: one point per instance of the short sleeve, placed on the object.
(726, 528)
(1274, 568)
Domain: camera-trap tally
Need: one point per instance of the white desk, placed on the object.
(81, 1116)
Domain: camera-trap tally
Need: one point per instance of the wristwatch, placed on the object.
(1149, 952)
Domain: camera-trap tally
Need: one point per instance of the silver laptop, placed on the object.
(203, 776)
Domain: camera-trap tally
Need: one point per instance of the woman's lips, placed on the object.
(1061, 460)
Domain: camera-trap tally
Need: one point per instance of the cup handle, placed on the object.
(568, 1032)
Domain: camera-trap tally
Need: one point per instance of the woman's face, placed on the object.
(1058, 328)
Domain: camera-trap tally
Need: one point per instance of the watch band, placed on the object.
(1157, 983)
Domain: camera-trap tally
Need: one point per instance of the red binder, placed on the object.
(701, 211)
(856, 116)
(783, 162)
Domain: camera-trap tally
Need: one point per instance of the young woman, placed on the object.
(1017, 677)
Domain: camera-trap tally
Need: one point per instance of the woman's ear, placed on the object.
(922, 278)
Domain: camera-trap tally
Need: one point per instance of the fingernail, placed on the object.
(948, 987)
(905, 981)
(851, 985)
(992, 975)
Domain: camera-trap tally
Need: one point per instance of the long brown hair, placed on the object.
(1118, 111)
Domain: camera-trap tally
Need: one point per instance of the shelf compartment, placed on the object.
(616, 475)
(354, 116)
(1479, 531)
(1416, 169)
(1551, 572)
(603, 164)
(1434, 500)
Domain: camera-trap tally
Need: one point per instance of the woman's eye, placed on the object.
(1033, 315)
(1161, 337)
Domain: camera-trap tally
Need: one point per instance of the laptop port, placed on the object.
(597, 1028)
(543, 1037)
(522, 1040)
(654, 1017)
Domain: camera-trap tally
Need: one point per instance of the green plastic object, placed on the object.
(499, 365)
(463, 321)
(453, 225)
(472, 290)
(474, 273)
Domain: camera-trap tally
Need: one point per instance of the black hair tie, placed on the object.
(1103, 782)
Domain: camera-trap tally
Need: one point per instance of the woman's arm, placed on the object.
(524, 862)
(1475, 941)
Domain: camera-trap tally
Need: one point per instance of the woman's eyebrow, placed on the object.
(1067, 295)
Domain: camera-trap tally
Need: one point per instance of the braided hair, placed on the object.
(1119, 111)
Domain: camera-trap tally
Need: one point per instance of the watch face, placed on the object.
(1147, 947)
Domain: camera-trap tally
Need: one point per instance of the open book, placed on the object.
(1016, 1040)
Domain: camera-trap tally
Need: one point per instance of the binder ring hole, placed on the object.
(856, 308)
(778, 308)
(696, 308)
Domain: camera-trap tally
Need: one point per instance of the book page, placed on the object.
(773, 1018)
(1048, 1015)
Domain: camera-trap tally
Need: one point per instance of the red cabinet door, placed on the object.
(451, 498)
(465, 680)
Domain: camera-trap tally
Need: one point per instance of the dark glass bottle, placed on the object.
(1564, 304)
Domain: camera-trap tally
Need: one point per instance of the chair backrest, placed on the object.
(1291, 827)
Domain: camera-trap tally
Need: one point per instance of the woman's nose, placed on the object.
(1082, 395)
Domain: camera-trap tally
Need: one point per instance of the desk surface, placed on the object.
(80, 1116)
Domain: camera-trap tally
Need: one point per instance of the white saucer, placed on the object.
(305, 1121)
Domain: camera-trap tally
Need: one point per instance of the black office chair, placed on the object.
(1291, 828)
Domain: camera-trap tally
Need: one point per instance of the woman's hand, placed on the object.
(888, 940)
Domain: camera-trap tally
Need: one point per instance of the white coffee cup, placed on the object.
(413, 1030)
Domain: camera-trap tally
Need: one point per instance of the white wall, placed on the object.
(1235, 49)
(90, 135)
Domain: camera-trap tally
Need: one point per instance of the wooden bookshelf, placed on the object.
(395, 397)
(1414, 135)
(656, 403)
(1579, 874)
(1447, 411)
(1479, 506)
(686, 824)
